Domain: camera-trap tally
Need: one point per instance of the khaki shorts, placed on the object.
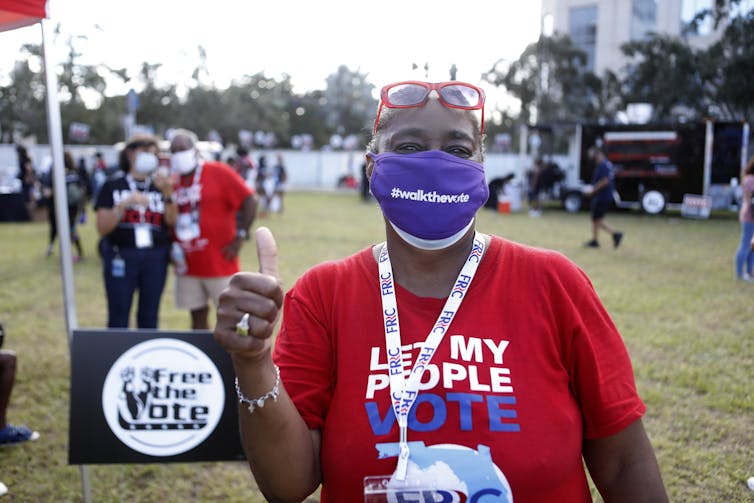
(194, 292)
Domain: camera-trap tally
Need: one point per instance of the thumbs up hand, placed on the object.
(258, 294)
(267, 252)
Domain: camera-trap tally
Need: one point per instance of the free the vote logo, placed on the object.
(163, 397)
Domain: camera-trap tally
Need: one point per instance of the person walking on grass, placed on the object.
(745, 251)
(601, 194)
(75, 194)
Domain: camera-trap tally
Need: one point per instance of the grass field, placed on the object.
(688, 325)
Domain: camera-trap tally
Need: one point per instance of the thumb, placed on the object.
(267, 252)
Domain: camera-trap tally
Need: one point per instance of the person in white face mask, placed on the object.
(215, 212)
(135, 214)
(441, 364)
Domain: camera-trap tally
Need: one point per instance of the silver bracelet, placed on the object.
(259, 402)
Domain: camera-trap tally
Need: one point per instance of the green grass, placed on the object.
(687, 324)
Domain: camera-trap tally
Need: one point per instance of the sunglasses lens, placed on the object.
(407, 94)
(460, 95)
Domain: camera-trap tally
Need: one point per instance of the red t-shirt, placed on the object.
(216, 197)
(531, 364)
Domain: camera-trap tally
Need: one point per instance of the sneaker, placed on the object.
(3, 489)
(617, 237)
(12, 435)
(747, 277)
(592, 244)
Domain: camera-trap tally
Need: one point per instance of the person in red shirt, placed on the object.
(215, 211)
(443, 364)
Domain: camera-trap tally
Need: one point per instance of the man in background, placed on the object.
(602, 198)
(215, 212)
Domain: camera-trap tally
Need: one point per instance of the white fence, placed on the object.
(313, 170)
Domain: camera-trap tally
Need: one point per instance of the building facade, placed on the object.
(600, 27)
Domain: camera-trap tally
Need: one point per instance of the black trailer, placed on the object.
(656, 165)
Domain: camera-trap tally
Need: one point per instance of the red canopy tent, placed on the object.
(16, 14)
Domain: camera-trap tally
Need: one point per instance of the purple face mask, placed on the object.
(431, 195)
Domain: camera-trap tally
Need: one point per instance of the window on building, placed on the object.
(643, 18)
(689, 10)
(583, 31)
(548, 25)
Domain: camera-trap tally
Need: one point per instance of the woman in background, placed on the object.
(76, 197)
(135, 213)
(745, 254)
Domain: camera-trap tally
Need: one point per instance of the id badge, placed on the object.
(143, 236)
(118, 266)
(386, 489)
(186, 227)
(439, 473)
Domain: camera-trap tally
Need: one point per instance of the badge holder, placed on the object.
(187, 227)
(387, 489)
(142, 236)
(118, 265)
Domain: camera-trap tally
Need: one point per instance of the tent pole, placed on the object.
(54, 127)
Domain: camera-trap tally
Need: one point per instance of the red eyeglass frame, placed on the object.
(429, 86)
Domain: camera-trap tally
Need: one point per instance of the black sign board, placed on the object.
(151, 396)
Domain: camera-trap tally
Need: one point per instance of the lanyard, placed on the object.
(133, 188)
(191, 190)
(403, 392)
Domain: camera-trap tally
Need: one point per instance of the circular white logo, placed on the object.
(163, 397)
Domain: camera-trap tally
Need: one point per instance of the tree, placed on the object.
(157, 104)
(22, 102)
(729, 67)
(606, 95)
(551, 81)
(666, 72)
(349, 102)
(75, 77)
(718, 12)
(307, 116)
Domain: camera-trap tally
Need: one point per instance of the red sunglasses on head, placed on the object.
(413, 93)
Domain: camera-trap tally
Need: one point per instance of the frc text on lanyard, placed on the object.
(187, 223)
(403, 392)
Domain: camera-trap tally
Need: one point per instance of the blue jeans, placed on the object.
(145, 270)
(744, 255)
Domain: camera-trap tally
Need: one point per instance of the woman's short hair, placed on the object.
(189, 135)
(138, 141)
(68, 161)
(141, 141)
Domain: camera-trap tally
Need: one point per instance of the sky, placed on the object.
(308, 40)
